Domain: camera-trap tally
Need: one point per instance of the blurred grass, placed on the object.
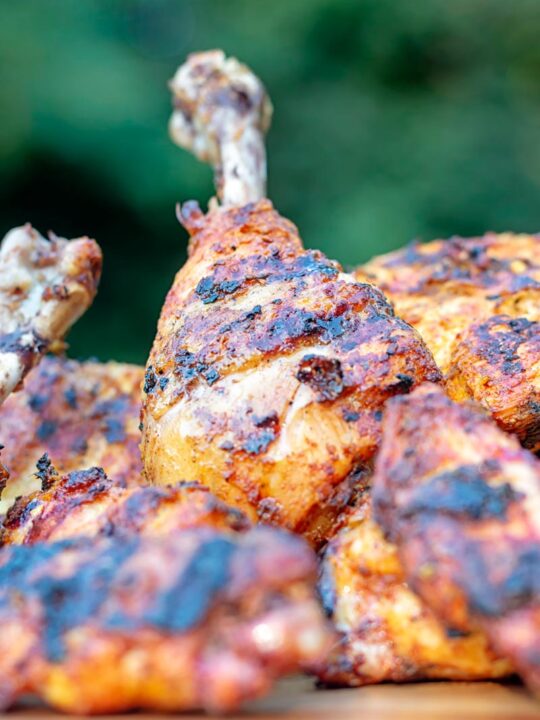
(393, 120)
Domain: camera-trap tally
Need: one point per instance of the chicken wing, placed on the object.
(387, 633)
(45, 286)
(196, 620)
(476, 303)
(87, 502)
(80, 414)
(270, 365)
(461, 499)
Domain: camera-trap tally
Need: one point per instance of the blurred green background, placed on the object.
(394, 119)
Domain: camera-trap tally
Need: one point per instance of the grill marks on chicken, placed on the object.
(498, 363)
(270, 365)
(475, 303)
(80, 414)
(387, 633)
(196, 620)
(45, 286)
(461, 499)
(87, 502)
(270, 369)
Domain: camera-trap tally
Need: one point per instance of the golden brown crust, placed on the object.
(87, 502)
(497, 363)
(452, 292)
(80, 414)
(461, 500)
(194, 620)
(387, 633)
(269, 371)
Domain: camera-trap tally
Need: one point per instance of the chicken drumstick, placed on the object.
(271, 365)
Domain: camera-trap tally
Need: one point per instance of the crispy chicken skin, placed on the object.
(196, 620)
(80, 414)
(470, 299)
(45, 286)
(87, 502)
(270, 366)
(387, 633)
(461, 499)
(497, 362)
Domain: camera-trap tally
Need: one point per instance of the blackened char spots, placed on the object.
(46, 473)
(189, 599)
(66, 601)
(492, 593)
(188, 367)
(463, 492)
(210, 291)
(24, 343)
(322, 374)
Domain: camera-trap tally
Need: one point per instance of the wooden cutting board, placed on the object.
(297, 699)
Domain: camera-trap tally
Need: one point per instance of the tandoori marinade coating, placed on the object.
(476, 304)
(387, 633)
(81, 414)
(195, 620)
(461, 500)
(87, 502)
(271, 365)
(46, 284)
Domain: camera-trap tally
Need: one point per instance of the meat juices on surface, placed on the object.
(195, 620)
(461, 500)
(271, 365)
(80, 414)
(45, 286)
(475, 302)
(87, 502)
(387, 633)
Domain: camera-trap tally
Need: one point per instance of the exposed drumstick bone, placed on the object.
(221, 114)
(45, 286)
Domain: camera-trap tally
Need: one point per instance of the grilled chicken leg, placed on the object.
(461, 499)
(87, 502)
(270, 366)
(196, 620)
(475, 302)
(45, 286)
(80, 415)
(387, 632)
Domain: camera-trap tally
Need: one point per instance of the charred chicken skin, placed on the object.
(45, 286)
(80, 414)
(476, 303)
(498, 363)
(270, 366)
(461, 500)
(197, 620)
(387, 633)
(87, 502)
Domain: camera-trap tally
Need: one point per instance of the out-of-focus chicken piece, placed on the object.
(461, 499)
(442, 287)
(271, 365)
(80, 414)
(387, 633)
(196, 620)
(45, 286)
(458, 294)
(497, 362)
(87, 502)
